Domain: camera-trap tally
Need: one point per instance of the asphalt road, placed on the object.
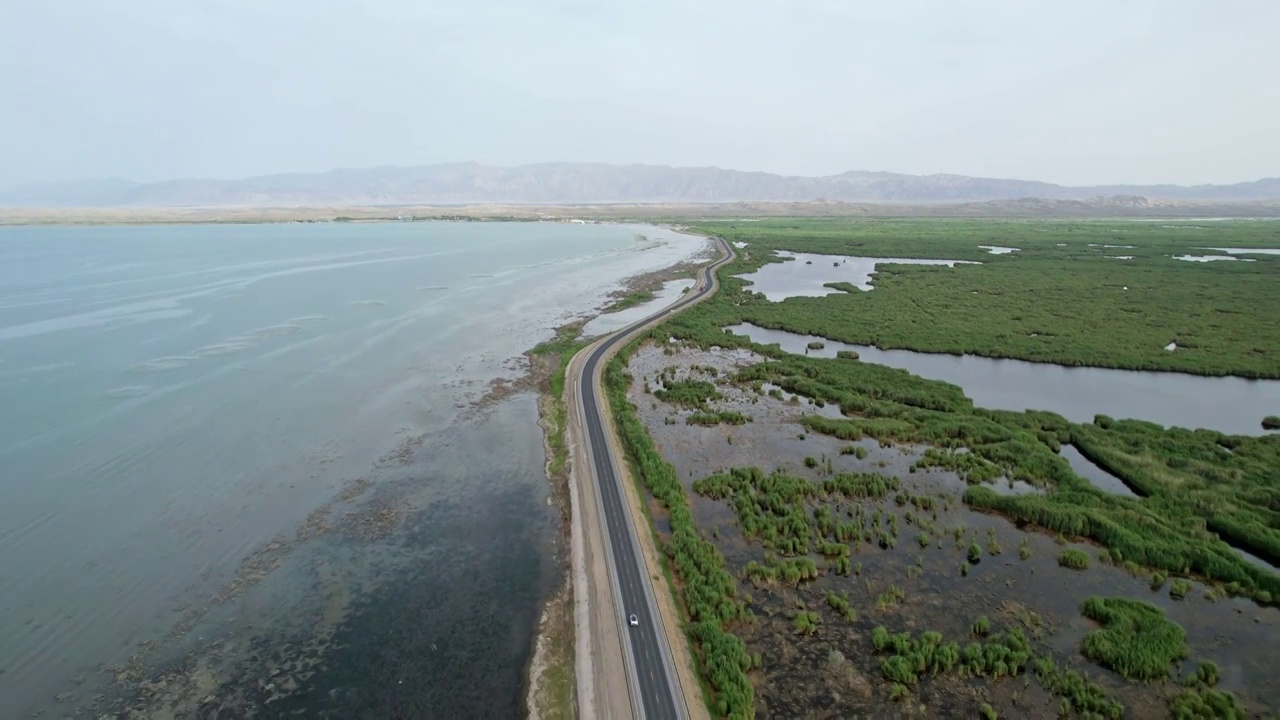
(654, 674)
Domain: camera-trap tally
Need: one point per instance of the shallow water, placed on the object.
(609, 322)
(1099, 478)
(1209, 258)
(1246, 251)
(178, 398)
(805, 274)
(1226, 404)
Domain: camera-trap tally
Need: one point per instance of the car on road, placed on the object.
(635, 621)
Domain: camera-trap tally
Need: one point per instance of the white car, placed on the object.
(635, 621)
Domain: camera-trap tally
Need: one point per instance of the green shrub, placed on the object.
(855, 450)
(806, 622)
(899, 669)
(1073, 558)
(688, 393)
(880, 638)
(910, 657)
(1206, 674)
(980, 627)
(1202, 702)
(840, 604)
(890, 597)
(787, 514)
(726, 417)
(709, 590)
(1081, 693)
(1136, 639)
(1179, 588)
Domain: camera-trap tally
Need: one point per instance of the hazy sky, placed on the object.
(1072, 92)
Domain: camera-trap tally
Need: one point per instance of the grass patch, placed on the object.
(980, 627)
(1202, 702)
(840, 604)
(1198, 699)
(1074, 559)
(806, 622)
(560, 350)
(1179, 588)
(789, 515)
(906, 659)
(857, 451)
(687, 393)
(1079, 693)
(720, 417)
(632, 299)
(1136, 639)
(1228, 482)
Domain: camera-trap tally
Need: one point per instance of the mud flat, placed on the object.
(917, 572)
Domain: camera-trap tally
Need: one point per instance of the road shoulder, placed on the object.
(602, 685)
(673, 621)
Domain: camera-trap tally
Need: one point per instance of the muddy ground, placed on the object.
(834, 672)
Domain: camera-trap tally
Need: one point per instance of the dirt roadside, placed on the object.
(672, 618)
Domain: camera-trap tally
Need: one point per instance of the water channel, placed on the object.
(1227, 404)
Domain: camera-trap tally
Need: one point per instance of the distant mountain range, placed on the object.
(590, 183)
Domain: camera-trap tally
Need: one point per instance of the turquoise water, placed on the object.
(178, 400)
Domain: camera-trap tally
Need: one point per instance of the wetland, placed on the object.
(884, 539)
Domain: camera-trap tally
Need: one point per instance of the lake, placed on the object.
(1226, 404)
(240, 452)
(806, 274)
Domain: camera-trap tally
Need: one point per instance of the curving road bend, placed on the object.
(651, 674)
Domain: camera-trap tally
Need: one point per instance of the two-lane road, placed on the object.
(650, 667)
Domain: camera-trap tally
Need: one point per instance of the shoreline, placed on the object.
(559, 641)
